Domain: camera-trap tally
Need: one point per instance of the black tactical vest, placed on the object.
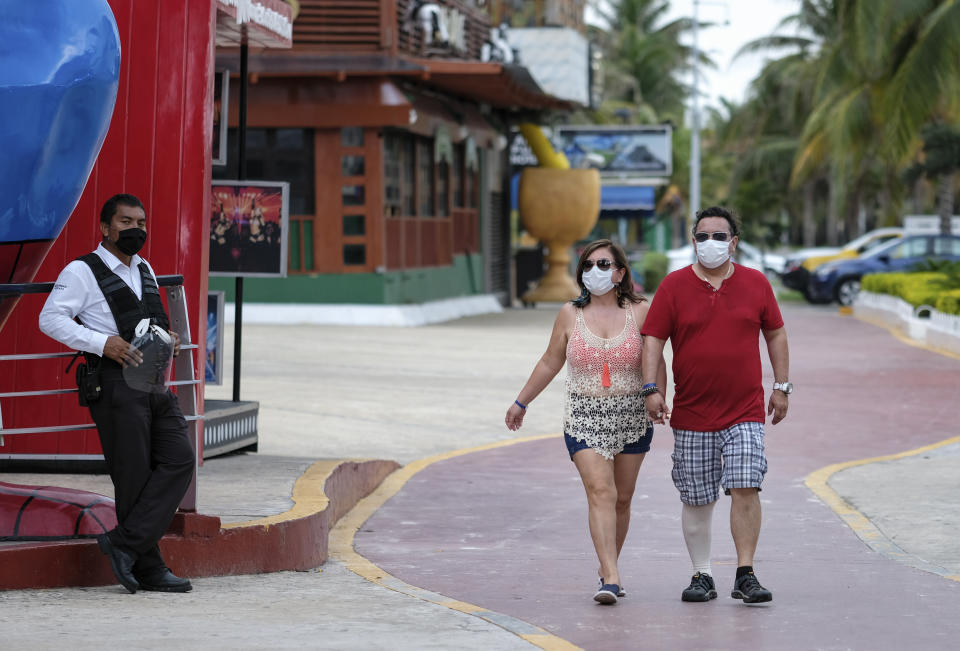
(127, 309)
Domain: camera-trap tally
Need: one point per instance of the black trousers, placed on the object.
(150, 459)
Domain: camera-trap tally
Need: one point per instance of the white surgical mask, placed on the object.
(712, 253)
(597, 281)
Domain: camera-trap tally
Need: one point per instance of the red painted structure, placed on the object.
(158, 148)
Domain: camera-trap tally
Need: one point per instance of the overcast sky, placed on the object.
(747, 20)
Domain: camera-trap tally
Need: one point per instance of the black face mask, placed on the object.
(130, 240)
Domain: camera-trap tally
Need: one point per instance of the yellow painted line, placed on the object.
(868, 532)
(908, 340)
(341, 549)
(817, 481)
(308, 497)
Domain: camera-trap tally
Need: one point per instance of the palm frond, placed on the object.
(926, 79)
(774, 42)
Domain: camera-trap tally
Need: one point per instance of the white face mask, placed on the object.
(712, 253)
(597, 281)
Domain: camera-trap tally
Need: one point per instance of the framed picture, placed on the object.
(221, 103)
(248, 228)
(213, 373)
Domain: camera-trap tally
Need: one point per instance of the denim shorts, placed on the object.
(637, 447)
(705, 461)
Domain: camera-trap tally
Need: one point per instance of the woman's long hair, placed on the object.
(624, 289)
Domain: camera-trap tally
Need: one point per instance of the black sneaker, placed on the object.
(749, 589)
(701, 588)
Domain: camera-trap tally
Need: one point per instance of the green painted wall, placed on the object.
(390, 288)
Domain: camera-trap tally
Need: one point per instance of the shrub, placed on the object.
(949, 302)
(917, 288)
(654, 269)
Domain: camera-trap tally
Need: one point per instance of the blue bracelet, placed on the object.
(648, 385)
(520, 404)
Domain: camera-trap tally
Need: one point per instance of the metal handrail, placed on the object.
(19, 289)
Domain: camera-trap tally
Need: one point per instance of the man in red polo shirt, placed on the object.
(713, 312)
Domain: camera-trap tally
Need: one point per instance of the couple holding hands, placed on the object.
(612, 341)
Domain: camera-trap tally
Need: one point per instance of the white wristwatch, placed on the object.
(786, 387)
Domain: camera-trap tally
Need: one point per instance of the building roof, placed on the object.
(496, 84)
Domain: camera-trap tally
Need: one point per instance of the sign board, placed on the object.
(248, 228)
(928, 225)
(213, 368)
(629, 152)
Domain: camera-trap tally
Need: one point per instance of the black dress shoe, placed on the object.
(121, 562)
(164, 581)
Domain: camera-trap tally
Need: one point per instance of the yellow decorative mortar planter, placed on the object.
(558, 207)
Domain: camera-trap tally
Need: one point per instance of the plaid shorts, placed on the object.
(704, 461)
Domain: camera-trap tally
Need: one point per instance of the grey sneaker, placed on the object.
(701, 588)
(749, 589)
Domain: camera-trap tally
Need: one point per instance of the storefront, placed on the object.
(394, 149)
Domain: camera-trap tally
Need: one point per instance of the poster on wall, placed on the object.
(221, 92)
(630, 152)
(248, 228)
(213, 373)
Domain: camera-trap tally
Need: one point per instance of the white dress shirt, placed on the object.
(77, 294)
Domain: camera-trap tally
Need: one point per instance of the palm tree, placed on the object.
(894, 66)
(644, 59)
(767, 127)
(941, 160)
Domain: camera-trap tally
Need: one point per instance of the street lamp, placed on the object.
(695, 122)
(695, 113)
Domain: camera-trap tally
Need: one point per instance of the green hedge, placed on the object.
(949, 302)
(917, 288)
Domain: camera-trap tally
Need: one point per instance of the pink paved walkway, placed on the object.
(506, 529)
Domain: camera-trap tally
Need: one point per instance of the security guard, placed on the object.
(143, 435)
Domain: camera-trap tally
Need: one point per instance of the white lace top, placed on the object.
(603, 406)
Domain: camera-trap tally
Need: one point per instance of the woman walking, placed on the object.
(605, 423)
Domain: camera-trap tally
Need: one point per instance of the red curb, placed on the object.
(197, 546)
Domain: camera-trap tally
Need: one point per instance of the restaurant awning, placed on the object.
(501, 86)
(627, 197)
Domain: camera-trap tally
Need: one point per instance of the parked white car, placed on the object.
(747, 255)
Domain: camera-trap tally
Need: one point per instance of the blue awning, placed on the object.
(627, 197)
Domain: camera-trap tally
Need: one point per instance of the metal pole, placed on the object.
(241, 175)
(695, 123)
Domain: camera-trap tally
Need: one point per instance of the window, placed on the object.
(353, 195)
(354, 254)
(351, 165)
(276, 155)
(458, 157)
(354, 225)
(443, 189)
(391, 175)
(408, 194)
(351, 137)
(425, 181)
(947, 246)
(914, 247)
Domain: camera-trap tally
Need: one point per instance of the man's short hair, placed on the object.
(110, 207)
(717, 211)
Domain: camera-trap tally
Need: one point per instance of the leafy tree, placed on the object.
(940, 161)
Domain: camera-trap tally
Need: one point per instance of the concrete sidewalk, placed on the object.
(409, 393)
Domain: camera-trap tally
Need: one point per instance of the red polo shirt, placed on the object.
(716, 351)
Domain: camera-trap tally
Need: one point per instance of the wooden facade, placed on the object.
(398, 133)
